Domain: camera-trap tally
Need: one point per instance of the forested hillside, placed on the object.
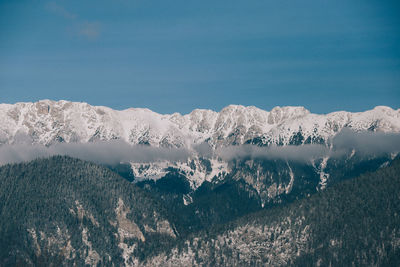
(67, 210)
(354, 223)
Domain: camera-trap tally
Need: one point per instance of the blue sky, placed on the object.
(174, 56)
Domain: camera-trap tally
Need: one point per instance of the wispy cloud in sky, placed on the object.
(88, 29)
(60, 10)
(175, 56)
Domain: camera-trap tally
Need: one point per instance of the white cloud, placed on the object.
(302, 153)
(90, 30)
(115, 151)
(105, 152)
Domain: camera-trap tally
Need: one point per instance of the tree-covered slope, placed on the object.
(64, 210)
(209, 205)
(353, 223)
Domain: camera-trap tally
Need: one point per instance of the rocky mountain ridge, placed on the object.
(274, 179)
(259, 160)
(47, 122)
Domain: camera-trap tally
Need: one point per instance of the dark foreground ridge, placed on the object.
(62, 210)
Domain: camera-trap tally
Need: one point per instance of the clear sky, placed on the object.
(174, 56)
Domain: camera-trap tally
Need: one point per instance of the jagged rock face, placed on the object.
(281, 181)
(46, 122)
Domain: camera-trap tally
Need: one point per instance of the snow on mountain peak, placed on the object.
(279, 114)
(48, 121)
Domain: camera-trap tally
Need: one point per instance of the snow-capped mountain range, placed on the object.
(46, 122)
(49, 122)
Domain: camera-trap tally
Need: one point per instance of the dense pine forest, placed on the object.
(354, 223)
(65, 211)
